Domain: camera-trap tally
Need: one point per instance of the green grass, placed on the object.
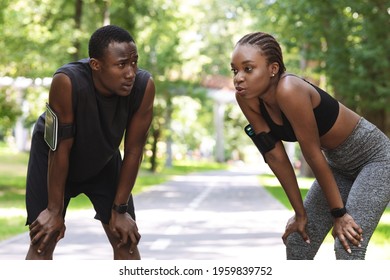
(13, 168)
(381, 235)
(12, 226)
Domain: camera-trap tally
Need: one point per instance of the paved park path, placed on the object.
(218, 215)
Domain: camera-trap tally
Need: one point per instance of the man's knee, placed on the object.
(126, 253)
(47, 254)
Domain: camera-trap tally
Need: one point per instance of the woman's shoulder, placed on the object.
(295, 94)
(291, 86)
(289, 81)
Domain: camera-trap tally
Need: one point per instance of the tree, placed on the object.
(347, 43)
(9, 111)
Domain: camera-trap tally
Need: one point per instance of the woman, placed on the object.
(349, 156)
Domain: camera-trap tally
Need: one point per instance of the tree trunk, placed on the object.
(77, 20)
(153, 158)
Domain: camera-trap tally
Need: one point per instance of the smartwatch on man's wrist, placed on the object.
(121, 208)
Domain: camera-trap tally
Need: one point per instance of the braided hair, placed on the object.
(105, 35)
(268, 47)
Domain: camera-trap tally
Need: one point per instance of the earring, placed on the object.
(273, 74)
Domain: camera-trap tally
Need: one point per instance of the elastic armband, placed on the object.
(55, 132)
(264, 141)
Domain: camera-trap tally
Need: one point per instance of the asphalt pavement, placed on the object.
(216, 215)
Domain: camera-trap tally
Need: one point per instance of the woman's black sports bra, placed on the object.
(325, 114)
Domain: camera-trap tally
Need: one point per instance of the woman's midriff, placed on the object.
(343, 127)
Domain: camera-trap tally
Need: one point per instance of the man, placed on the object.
(92, 104)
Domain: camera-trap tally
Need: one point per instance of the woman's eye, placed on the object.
(234, 71)
(248, 69)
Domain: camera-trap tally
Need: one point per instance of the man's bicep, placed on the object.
(147, 102)
(60, 98)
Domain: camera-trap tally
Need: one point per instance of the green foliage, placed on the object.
(9, 110)
(340, 44)
(30, 28)
(342, 41)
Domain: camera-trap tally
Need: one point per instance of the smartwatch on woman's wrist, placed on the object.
(338, 212)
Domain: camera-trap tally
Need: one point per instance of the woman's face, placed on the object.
(251, 71)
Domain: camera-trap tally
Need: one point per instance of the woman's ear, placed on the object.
(274, 69)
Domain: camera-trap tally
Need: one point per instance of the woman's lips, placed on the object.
(240, 90)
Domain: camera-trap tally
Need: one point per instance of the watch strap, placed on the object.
(121, 208)
(338, 212)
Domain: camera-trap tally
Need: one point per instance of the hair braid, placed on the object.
(267, 45)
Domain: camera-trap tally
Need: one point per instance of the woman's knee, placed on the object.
(357, 253)
(298, 249)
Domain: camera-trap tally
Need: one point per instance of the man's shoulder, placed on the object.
(143, 73)
(80, 65)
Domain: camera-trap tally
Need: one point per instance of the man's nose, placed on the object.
(130, 72)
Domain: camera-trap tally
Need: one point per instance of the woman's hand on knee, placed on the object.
(346, 229)
(296, 224)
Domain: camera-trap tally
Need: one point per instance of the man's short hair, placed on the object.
(103, 36)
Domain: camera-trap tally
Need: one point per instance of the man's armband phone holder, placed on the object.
(264, 141)
(55, 132)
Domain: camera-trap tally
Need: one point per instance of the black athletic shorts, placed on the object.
(100, 189)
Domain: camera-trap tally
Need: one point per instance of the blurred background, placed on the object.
(342, 45)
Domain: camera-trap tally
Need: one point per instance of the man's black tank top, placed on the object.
(325, 113)
(100, 121)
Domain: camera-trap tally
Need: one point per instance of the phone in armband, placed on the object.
(51, 128)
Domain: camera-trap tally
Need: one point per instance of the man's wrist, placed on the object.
(55, 210)
(121, 208)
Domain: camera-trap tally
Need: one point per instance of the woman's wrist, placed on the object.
(338, 212)
(300, 214)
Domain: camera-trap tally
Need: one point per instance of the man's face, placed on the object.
(114, 74)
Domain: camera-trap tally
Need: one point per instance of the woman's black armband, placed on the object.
(264, 141)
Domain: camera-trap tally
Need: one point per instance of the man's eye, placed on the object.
(248, 69)
(234, 71)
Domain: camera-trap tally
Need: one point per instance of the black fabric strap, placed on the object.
(66, 131)
(264, 141)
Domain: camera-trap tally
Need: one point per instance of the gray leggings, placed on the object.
(361, 167)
